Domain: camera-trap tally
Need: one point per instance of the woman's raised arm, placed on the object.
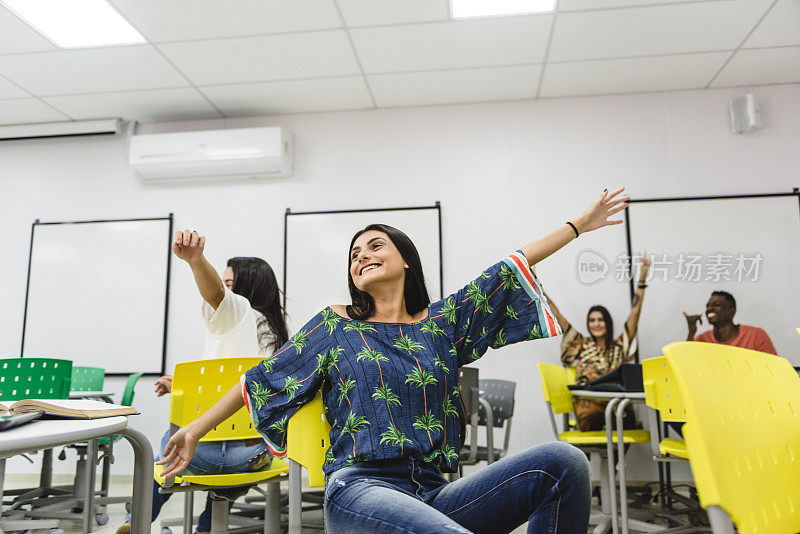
(596, 216)
(638, 297)
(189, 246)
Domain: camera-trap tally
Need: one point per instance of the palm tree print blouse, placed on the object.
(390, 389)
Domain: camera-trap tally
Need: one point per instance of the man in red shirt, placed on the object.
(720, 310)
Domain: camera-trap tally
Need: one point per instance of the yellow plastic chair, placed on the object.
(559, 401)
(308, 439)
(742, 433)
(662, 393)
(571, 371)
(196, 386)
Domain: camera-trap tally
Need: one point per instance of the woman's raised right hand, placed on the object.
(178, 452)
(188, 245)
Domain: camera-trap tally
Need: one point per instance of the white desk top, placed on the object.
(89, 394)
(607, 394)
(48, 433)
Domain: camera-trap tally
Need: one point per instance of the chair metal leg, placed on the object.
(489, 430)
(603, 526)
(11, 524)
(106, 473)
(623, 488)
(295, 498)
(188, 506)
(720, 520)
(272, 508)
(219, 516)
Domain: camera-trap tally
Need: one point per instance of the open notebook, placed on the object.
(72, 408)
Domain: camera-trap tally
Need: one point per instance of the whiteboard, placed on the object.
(719, 232)
(316, 255)
(97, 294)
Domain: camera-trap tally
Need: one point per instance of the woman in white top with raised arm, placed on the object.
(243, 317)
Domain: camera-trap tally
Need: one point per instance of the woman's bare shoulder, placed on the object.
(339, 309)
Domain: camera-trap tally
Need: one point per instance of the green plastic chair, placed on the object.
(88, 378)
(34, 378)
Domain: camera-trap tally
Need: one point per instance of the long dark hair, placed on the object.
(609, 337)
(414, 291)
(254, 279)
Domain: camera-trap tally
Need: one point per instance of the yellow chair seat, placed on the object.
(598, 437)
(675, 447)
(277, 467)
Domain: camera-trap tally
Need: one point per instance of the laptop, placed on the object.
(625, 378)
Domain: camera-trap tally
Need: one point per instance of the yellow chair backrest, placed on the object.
(554, 387)
(308, 439)
(197, 385)
(571, 370)
(661, 390)
(742, 432)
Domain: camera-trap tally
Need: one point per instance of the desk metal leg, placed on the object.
(89, 481)
(142, 506)
(611, 469)
(623, 489)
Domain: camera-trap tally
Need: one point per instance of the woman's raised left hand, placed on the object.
(597, 214)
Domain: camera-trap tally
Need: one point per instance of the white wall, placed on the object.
(506, 173)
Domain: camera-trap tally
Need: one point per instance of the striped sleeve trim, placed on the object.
(248, 405)
(519, 266)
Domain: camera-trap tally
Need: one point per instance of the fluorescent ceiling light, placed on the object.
(76, 23)
(490, 8)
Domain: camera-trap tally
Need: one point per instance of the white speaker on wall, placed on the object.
(745, 115)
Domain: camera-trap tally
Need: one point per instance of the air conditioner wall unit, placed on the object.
(211, 155)
(45, 130)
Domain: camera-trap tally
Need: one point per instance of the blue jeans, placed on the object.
(210, 458)
(547, 485)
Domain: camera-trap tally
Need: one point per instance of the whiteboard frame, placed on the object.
(794, 193)
(170, 218)
(437, 206)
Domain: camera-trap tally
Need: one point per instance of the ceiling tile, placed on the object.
(259, 59)
(18, 36)
(579, 5)
(28, 110)
(668, 29)
(377, 12)
(145, 106)
(300, 96)
(781, 27)
(455, 86)
(91, 70)
(168, 20)
(452, 45)
(661, 73)
(9, 90)
(761, 66)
